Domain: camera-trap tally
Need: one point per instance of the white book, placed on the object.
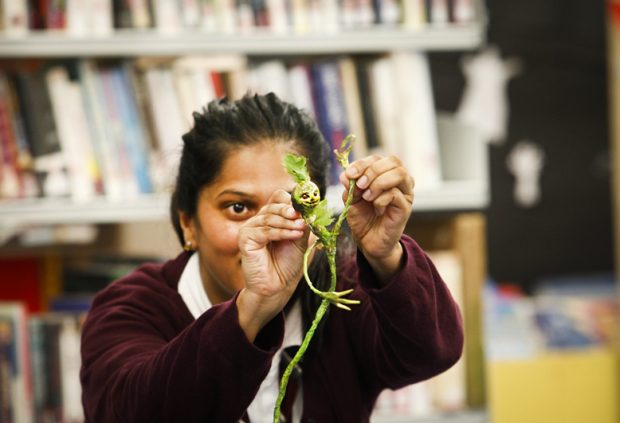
(414, 13)
(464, 11)
(225, 16)
(14, 17)
(448, 390)
(235, 67)
(300, 85)
(386, 108)
(353, 104)
(439, 12)
(300, 14)
(167, 15)
(419, 144)
(330, 15)
(278, 19)
(73, 133)
(104, 146)
(77, 17)
(190, 13)
(271, 76)
(194, 89)
(208, 18)
(70, 361)
(168, 121)
(140, 16)
(99, 16)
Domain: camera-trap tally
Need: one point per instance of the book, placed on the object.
(416, 123)
(413, 14)
(136, 144)
(368, 116)
(190, 13)
(15, 17)
(330, 108)
(42, 133)
(169, 122)
(10, 175)
(300, 84)
(73, 133)
(122, 14)
(15, 358)
(194, 87)
(104, 147)
(167, 15)
(113, 112)
(384, 97)
(353, 105)
(448, 389)
(270, 76)
(141, 12)
(56, 14)
(21, 281)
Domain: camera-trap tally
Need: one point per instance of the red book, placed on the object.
(20, 281)
(218, 84)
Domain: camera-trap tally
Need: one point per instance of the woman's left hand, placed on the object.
(381, 207)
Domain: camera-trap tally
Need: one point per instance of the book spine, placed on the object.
(135, 140)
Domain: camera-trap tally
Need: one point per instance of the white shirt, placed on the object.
(261, 409)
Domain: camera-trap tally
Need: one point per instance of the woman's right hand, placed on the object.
(272, 244)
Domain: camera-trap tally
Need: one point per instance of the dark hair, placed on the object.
(224, 126)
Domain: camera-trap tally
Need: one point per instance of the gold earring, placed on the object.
(188, 246)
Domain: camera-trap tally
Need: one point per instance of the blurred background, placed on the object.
(505, 113)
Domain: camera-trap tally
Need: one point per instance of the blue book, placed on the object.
(330, 108)
(136, 140)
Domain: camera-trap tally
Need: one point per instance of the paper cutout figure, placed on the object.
(484, 104)
(525, 161)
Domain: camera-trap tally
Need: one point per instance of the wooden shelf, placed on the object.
(129, 43)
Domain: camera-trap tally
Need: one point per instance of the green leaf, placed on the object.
(323, 215)
(296, 166)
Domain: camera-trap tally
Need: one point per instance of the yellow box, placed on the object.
(562, 387)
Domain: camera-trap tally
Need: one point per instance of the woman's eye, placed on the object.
(238, 208)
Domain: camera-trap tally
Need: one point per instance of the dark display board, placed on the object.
(558, 101)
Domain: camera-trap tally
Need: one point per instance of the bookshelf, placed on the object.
(459, 197)
(130, 43)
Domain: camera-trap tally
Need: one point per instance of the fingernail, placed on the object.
(299, 222)
(362, 182)
(367, 195)
(291, 212)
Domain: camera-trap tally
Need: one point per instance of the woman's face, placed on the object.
(248, 178)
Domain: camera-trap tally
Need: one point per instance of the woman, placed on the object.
(202, 337)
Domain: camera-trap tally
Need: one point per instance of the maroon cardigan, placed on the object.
(145, 358)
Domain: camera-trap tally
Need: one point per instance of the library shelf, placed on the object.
(451, 195)
(130, 43)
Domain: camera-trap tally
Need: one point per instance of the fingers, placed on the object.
(380, 180)
(276, 221)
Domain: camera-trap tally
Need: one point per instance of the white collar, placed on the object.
(191, 290)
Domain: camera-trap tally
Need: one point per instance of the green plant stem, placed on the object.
(300, 352)
(330, 252)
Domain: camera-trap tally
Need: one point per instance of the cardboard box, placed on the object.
(563, 387)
